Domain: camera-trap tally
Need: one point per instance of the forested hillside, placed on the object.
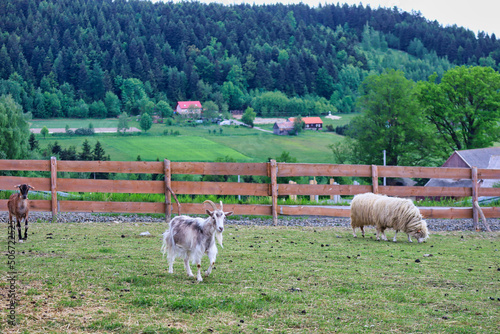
(98, 58)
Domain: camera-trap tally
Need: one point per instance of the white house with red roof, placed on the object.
(312, 123)
(188, 107)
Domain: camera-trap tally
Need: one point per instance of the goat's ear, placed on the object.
(229, 213)
(210, 213)
(31, 187)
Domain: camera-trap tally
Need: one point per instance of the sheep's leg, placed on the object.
(383, 235)
(395, 234)
(362, 231)
(409, 238)
(188, 268)
(354, 232)
(198, 276)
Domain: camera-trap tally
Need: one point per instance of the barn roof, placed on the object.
(284, 125)
(479, 157)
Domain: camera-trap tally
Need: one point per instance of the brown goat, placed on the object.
(19, 206)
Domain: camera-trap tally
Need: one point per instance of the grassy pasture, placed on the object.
(73, 123)
(176, 148)
(197, 144)
(104, 278)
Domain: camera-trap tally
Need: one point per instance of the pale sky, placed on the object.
(476, 15)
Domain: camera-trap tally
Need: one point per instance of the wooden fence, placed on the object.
(273, 170)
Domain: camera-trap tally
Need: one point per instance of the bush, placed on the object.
(341, 130)
(84, 132)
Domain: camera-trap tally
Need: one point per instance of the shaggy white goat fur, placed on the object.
(190, 238)
(388, 212)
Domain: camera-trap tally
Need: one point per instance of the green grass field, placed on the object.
(73, 123)
(105, 278)
(197, 143)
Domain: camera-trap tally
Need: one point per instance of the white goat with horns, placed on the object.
(190, 238)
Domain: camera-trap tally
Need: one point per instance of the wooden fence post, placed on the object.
(292, 197)
(476, 209)
(53, 187)
(475, 213)
(313, 198)
(273, 173)
(374, 179)
(332, 182)
(168, 185)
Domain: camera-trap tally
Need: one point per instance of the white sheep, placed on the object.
(388, 212)
(190, 238)
(362, 212)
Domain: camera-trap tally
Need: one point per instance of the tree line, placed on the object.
(82, 58)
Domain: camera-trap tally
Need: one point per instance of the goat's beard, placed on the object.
(218, 236)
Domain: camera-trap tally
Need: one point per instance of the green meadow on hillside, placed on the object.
(200, 143)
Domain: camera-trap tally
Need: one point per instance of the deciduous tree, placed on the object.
(44, 131)
(14, 129)
(146, 122)
(391, 120)
(464, 107)
(164, 109)
(248, 117)
(123, 122)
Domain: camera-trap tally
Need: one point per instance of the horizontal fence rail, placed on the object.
(53, 182)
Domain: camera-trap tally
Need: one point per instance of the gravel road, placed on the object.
(313, 221)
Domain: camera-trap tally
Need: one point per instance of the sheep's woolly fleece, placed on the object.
(387, 212)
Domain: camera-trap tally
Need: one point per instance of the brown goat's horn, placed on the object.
(211, 204)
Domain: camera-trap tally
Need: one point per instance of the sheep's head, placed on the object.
(218, 216)
(23, 190)
(421, 233)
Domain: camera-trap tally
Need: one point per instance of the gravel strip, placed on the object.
(312, 221)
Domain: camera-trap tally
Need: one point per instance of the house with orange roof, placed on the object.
(188, 107)
(311, 123)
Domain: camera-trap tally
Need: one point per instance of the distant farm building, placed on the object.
(283, 128)
(311, 123)
(488, 158)
(188, 107)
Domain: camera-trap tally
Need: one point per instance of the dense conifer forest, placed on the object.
(99, 58)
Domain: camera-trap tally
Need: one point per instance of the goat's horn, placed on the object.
(221, 206)
(211, 204)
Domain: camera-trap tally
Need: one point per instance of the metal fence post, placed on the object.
(374, 179)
